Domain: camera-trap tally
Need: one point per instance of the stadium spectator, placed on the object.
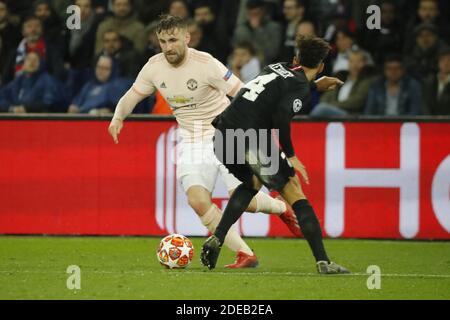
(294, 12)
(153, 46)
(422, 60)
(306, 28)
(204, 14)
(95, 96)
(149, 11)
(100, 95)
(437, 87)
(19, 8)
(9, 30)
(427, 12)
(351, 97)
(244, 63)
(396, 93)
(60, 7)
(387, 40)
(212, 34)
(34, 40)
(421, 26)
(198, 41)
(259, 29)
(339, 20)
(327, 12)
(345, 44)
(226, 16)
(34, 90)
(81, 42)
(127, 62)
(52, 25)
(9, 38)
(125, 23)
(179, 8)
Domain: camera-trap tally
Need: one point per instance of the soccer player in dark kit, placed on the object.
(245, 144)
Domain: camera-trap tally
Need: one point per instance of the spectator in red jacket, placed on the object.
(34, 40)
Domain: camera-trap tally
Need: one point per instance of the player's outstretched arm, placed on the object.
(327, 83)
(124, 108)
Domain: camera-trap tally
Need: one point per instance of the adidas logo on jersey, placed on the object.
(163, 85)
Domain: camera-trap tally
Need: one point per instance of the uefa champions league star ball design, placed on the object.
(175, 251)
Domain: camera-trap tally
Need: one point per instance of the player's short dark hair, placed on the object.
(311, 51)
(168, 22)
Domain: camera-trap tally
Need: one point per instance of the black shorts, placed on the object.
(245, 154)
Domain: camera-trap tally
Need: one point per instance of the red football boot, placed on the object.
(290, 219)
(244, 260)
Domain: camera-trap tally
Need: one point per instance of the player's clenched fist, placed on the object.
(114, 129)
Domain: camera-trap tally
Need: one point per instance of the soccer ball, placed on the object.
(175, 251)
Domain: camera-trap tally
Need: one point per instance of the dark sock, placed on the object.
(310, 226)
(239, 201)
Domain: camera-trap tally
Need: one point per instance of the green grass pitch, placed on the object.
(126, 268)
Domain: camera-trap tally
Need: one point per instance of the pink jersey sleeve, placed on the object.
(143, 84)
(222, 78)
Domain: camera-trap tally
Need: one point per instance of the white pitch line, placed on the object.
(144, 272)
(318, 275)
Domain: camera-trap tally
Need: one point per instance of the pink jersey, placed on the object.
(196, 90)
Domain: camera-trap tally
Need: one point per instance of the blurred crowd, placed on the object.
(399, 69)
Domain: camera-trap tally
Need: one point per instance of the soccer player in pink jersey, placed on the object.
(196, 86)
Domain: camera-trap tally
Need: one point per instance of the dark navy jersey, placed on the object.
(270, 101)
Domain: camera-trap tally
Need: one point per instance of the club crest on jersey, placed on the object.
(297, 105)
(192, 84)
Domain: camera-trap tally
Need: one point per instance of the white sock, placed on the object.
(233, 240)
(267, 204)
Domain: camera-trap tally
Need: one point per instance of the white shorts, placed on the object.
(197, 165)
